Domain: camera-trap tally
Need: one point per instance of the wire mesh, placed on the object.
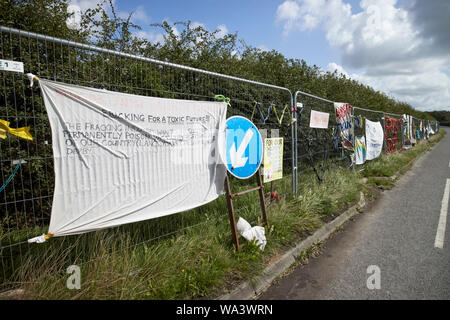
(25, 203)
(318, 148)
(321, 148)
(27, 166)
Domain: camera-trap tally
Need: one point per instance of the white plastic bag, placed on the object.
(252, 233)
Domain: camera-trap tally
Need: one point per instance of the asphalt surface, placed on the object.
(397, 235)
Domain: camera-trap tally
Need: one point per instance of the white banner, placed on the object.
(407, 129)
(122, 158)
(374, 139)
(430, 128)
(411, 128)
(319, 119)
(360, 150)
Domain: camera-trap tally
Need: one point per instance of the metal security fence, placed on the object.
(392, 127)
(25, 201)
(319, 148)
(316, 147)
(361, 113)
(27, 170)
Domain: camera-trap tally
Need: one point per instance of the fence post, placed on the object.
(294, 146)
(384, 132)
(354, 139)
(403, 134)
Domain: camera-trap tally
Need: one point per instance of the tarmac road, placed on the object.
(397, 236)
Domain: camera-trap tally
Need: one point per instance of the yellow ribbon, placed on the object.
(23, 132)
(280, 119)
(48, 236)
(255, 105)
(274, 108)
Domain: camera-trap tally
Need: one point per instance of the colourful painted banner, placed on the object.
(344, 124)
(392, 129)
(360, 150)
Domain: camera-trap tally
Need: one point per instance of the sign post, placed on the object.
(244, 153)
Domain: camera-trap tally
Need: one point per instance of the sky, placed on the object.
(400, 47)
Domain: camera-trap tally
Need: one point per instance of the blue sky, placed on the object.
(253, 20)
(400, 47)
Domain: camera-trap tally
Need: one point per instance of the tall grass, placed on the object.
(389, 165)
(200, 260)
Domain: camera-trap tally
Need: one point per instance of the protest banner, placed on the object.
(343, 113)
(273, 159)
(122, 158)
(319, 119)
(374, 139)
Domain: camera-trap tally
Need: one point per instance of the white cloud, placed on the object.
(335, 67)
(175, 30)
(223, 31)
(74, 21)
(383, 40)
(427, 90)
(84, 5)
(153, 37)
(288, 13)
(197, 24)
(138, 15)
(263, 47)
(89, 4)
(288, 10)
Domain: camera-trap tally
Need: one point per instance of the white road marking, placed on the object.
(440, 235)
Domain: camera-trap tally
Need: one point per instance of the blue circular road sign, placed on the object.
(244, 147)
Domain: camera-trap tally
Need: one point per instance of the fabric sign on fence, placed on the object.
(319, 119)
(392, 127)
(122, 158)
(360, 150)
(411, 129)
(430, 129)
(406, 132)
(344, 124)
(273, 159)
(374, 139)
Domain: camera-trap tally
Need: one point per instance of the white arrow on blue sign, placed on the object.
(244, 147)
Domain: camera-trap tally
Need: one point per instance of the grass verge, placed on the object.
(200, 261)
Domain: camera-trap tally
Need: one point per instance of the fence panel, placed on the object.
(318, 148)
(372, 115)
(27, 170)
(393, 133)
(25, 203)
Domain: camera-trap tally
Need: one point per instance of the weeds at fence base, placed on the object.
(201, 261)
(381, 182)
